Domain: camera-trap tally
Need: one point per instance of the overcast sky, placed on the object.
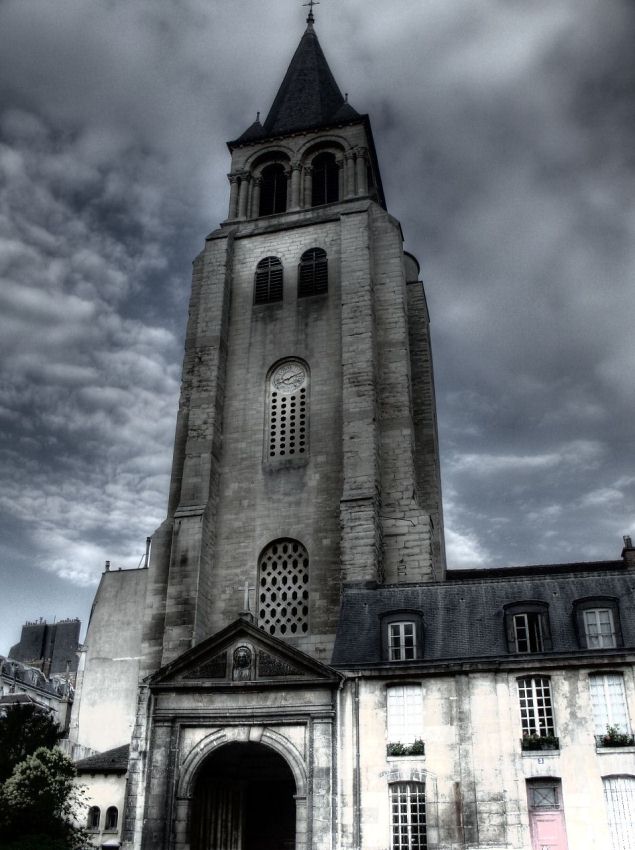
(506, 136)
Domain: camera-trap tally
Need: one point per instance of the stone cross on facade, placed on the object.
(245, 589)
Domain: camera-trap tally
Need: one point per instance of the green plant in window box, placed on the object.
(615, 738)
(533, 741)
(396, 748)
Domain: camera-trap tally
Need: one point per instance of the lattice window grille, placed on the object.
(313, 276)
(268, 282)
(408, 816)
(284, 589)
(536, 709)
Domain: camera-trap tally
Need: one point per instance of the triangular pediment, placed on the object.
(242, 654)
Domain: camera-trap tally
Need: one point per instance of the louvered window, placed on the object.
(268, 284)
(273, 190)
(326, 179)
(313, 275)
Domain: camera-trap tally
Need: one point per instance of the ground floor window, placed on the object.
(619, 793)
(408, 816)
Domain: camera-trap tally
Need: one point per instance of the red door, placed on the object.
(546, 818)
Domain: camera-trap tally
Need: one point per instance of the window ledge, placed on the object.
(528, 754)
(406, 758)
(613, 750)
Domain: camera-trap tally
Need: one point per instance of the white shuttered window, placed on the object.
(619, 793)
(608, 700)
(404, 704)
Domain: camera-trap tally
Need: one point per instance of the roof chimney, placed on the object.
(628, 552)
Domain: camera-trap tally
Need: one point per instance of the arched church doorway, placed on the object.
(244, 800)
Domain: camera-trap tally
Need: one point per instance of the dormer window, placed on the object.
(273, 190)
(598, 623)
(402, 636)
(527, 627)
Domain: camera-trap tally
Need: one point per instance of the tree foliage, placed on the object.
(38, 803)
(23, 729)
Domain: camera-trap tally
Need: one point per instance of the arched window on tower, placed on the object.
(313, 274)
(268, 281)
(326, 180)
(112, 819)
(273, 190)
(287, 419)
(283, 588)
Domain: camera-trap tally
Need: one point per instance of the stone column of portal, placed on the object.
(295, 186)
(255, 196)
(243, 195)
(349, 174)
(308, 186)
(361, 544)
(233, 195)
(360, 168)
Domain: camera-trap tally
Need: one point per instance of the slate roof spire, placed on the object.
(308, 98)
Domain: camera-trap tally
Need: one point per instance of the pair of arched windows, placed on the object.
(274, 188)
(313, 278)
(94, 818)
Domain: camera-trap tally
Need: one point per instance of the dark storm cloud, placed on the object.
(505, 132)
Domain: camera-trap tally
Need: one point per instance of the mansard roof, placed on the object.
(463, 619)
(309, 97)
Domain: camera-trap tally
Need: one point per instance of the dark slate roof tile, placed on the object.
(110, 761)
(465, 619)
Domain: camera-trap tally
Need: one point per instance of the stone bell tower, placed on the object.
(306, 451)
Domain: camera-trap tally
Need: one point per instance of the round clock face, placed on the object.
(288, 377)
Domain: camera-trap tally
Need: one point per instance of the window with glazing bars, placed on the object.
(528, 632)
(408, 816)
(402, 641)
(608, 701)
(599, 628)
(268, 282)
(536, 708)
(313, 274)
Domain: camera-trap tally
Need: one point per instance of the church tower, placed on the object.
(306, 452)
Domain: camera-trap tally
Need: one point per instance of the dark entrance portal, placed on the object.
(244, 800)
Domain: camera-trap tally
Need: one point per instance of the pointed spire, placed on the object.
(309, 96)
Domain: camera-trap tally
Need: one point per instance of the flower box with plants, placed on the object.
(614, 738)
(532, 741)
(417, 748)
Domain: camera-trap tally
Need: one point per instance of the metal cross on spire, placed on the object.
(310, 19)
